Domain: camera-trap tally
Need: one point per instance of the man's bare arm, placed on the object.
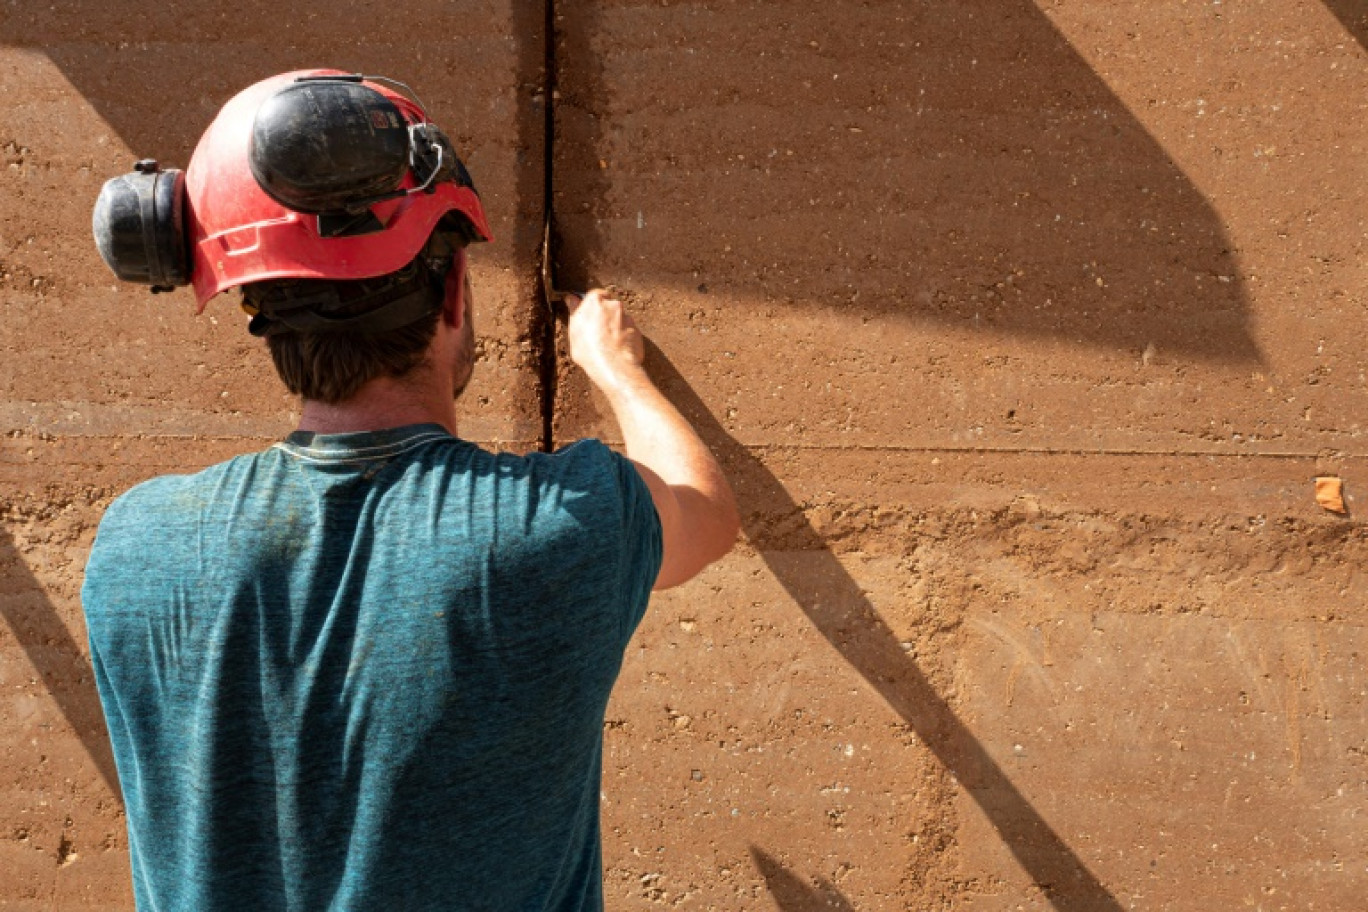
(697, 510)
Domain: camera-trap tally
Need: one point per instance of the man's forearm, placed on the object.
(698, 515)
(658, 437)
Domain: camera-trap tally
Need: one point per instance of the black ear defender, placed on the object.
(333, 147)
(329, 145)
(139, 226)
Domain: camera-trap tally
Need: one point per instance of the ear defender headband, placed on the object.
(328, 146)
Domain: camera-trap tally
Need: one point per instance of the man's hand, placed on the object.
(698, 516)
(604, 340)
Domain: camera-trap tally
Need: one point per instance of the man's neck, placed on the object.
(382, 403)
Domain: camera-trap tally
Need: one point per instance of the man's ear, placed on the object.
(453, 305)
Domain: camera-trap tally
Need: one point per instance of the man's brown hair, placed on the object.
(332, 364)
(331, 367)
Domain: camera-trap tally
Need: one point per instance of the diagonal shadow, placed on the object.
(1354, 15)
(791, 894)
(55, 654)
(157, 71)
(852, 625)
(953, 162)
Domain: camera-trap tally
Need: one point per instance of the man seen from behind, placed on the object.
(367, 668)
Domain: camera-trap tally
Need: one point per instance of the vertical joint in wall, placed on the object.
(543, 329)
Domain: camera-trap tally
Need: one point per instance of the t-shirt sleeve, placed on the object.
(599, 528)
(643, 543)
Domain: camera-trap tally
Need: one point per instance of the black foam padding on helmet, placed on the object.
(321, 145)
(362, 306)
(139, 227)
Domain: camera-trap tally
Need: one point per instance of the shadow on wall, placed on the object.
(1354, 15)
(835, 604)
(792, 894)
(947, 161)
(59, 660)
(158, 72)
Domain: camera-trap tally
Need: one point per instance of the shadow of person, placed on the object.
(1354, 15)
(791, 894)
(941, 162)
(60, 661)
(836, 605)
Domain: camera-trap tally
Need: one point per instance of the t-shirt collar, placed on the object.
(361, 444)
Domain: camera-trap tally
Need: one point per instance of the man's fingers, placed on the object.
(573, 299)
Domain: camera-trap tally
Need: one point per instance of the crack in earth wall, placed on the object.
(543, 323)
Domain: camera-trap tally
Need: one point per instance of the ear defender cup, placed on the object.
(326, 145)
(139, 227)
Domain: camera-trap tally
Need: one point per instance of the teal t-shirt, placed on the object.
(369, 671)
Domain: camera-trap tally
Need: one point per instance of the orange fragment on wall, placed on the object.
(1330, 494)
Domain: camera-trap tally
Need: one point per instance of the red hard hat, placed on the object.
(239, 233)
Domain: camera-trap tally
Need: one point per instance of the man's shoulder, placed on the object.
(599, 485)
(177, 492)
(587, 466)
(584, 467)
(588, 455)
(152, 526)
(581, 460)
(585, 484)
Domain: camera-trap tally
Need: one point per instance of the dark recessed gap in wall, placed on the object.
(543, 327)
